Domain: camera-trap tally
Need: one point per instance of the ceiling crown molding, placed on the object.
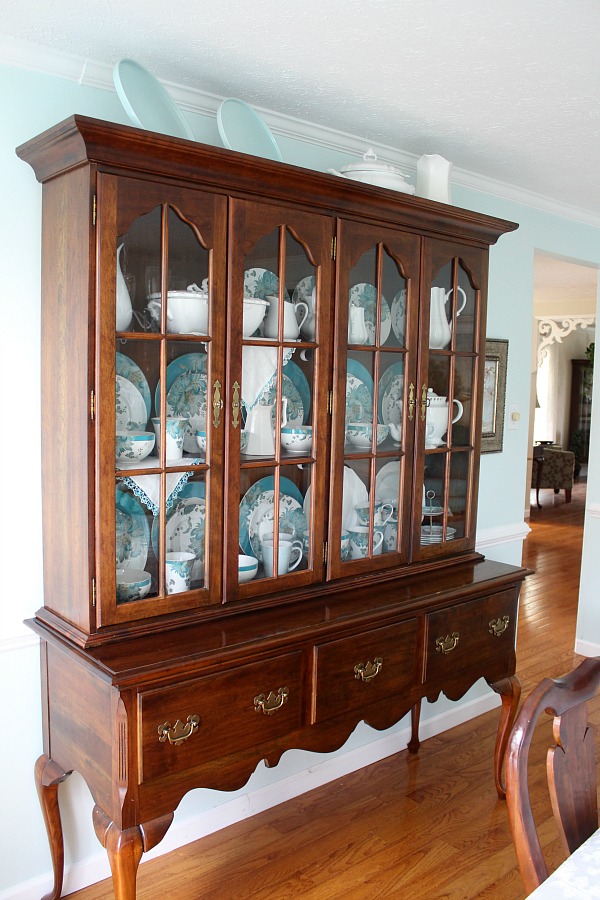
(24, 54)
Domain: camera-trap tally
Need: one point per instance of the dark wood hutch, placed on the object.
(149, 690)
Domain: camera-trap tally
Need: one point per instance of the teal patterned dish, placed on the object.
(188, 397)
(132, 372)
(390, 394)
(132, 531)
(398, 312)
(130, 409)
(254, 497)
(133, 445)
(260, 283)
(295, 387)
(132, 584)
(359, 393)
(365, 295)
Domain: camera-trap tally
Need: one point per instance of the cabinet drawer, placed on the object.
(228, 714)
(472, 639)
(356, 671)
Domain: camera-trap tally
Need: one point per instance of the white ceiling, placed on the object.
(506, 90)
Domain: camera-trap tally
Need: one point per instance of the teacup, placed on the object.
(359, 542)
(382, 512)
(284, 563)
(175, 429)
(390, 536)
(178, 571)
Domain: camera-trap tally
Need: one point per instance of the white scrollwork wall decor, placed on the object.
(555, 329)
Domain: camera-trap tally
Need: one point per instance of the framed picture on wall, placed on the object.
(494, 394)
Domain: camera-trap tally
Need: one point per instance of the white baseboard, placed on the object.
(88, 871)
(586, 648)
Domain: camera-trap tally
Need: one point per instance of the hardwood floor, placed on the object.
(425, 827)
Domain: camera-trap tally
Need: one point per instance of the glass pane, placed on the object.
(360, 400)
(136, 365)
(139, 274)
(465, 309)
(188, 306)
(136, 563)
(390, 398)
(300, 283)
(388, 490)
(281, 553)
(438, 408)
(460, 465)
(393, 303)
(463, 393)
(363, 300)
(186, 535)
(434, 501)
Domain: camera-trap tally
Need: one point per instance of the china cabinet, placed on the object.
(261, 392)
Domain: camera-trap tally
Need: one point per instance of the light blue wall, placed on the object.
(32, 103)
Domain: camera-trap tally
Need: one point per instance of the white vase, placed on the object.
(433, 178)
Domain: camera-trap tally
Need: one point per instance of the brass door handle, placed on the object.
(447, 644)
(368, 672)
(424, 402)
(269, 705)
(499, 626)
(178, 733)
(411, 401)
(217, 404)
(235, 405)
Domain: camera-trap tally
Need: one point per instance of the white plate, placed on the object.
(146, 101)
(242, 129)
(354, 493)
(130, 409)
(387, 481)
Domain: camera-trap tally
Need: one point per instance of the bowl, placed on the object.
(201, 440)
(254, 313)
(247, 568)
(134, 445)
(360, 434)
(296, 439)
(132, 584)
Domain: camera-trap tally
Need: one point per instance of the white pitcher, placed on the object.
(436, 423)
(357, 327)
(124, 313)
(260, 428)
(439, 326)
(291, 324)
(433, 178)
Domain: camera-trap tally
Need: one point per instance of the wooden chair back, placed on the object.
(570, 765)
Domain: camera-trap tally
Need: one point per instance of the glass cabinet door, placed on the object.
(452, 319)
(377, 297)
(161, 282)
(279, 290)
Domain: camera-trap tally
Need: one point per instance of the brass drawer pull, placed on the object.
(217, 404)
(269, 705)
(447, 644)
(499, 626)
(369, 671)
(235, 405)
(178, 733)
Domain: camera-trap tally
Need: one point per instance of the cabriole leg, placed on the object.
(125, 848)
(47, 778)
(415, 716)
(509, 690)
